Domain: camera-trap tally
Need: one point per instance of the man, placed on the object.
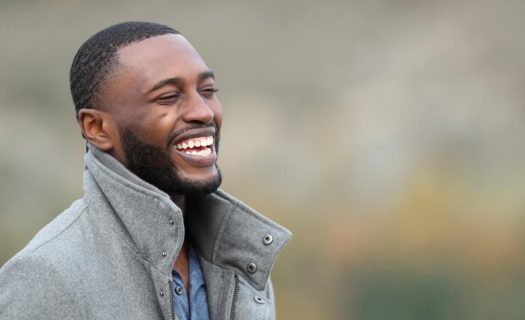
(153, 237)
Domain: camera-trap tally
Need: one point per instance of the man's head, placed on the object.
(144, 95)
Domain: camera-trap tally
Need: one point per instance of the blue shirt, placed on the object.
(196, 308)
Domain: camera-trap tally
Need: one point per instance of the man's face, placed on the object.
(162, 98)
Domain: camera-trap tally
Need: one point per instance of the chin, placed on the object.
(191, 185)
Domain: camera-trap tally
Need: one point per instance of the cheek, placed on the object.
(152, 129)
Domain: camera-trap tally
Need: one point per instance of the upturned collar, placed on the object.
(225, 231)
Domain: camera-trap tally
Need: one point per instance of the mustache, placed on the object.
(172, 136)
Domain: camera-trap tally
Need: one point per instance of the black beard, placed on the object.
(153, 165)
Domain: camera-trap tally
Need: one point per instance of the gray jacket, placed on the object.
(110, 255)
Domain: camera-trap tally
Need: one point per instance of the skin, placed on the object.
(164, 93)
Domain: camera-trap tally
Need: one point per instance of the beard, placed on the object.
(153, 165)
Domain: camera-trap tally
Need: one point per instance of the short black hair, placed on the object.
(97, 56)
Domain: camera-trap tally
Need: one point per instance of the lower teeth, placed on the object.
(204, 152)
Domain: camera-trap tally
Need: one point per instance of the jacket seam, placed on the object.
(135, 252)
(66, 228)
(130, 246)
(223, 224)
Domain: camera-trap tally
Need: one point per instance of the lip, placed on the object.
(197, 160)
(194, 133)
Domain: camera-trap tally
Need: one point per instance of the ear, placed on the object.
(98, 128)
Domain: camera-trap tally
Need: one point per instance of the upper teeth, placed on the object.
(196, 142)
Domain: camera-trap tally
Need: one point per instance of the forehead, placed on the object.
(161, 57)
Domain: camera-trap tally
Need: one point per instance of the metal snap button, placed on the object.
(164, 254)
(258, 299)
(251, 267)
(178, 290)
(171, 221)
(161, 293)
(268, 239)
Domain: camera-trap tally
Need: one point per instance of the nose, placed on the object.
(198, 110)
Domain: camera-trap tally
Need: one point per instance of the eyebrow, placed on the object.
(206, 74)
(176, 80)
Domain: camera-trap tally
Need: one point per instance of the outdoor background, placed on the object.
(387, 135)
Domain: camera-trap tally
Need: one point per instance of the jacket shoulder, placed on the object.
(28, 283)
(35, 276)
(56, 228)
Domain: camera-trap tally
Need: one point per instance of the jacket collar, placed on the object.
(230, 234)
(225, 231)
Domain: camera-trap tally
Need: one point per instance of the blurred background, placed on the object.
(385, 134)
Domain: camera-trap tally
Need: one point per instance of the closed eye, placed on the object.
(168, 98)
(209, 92)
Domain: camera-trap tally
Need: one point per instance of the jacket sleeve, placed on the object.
(32, 289)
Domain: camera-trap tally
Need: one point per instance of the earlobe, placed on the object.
(96, 126)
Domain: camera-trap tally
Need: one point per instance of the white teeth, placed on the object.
(198, 142)
(205, 152)
(201, 153)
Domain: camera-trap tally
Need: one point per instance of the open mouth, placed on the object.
(201, 146)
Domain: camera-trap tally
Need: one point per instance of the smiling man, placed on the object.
(153, 237)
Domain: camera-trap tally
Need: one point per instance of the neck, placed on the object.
(180, 201)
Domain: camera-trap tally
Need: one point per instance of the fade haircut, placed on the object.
(97, 57)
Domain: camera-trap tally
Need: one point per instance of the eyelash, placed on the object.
(168, 97)
(209, 90)
(171, 97)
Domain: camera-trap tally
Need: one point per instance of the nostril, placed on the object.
(198, 110)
